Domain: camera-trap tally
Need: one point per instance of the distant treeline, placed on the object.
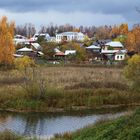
(29, 30)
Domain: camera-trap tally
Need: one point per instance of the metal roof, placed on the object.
(114, 44)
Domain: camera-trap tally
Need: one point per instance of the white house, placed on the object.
(113, 50)
(19, 39)
(69, 36)
(120, 55)
(35, 37)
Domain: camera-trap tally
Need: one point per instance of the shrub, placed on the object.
(132, 71)
(24, 62)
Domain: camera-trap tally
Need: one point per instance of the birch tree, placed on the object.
(6, 42)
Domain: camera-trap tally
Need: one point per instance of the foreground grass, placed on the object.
(7, 135)
(124, 128)
(64, 88)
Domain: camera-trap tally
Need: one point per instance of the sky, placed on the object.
(74, 12)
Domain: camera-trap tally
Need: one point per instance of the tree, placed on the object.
(23, 63)
(6, 42)
(136, 32)
(123, 29)
(130, 42)
(103, 32)
(115, 31)
(132, 71)
(48, 49)
(27, 30)
(80, 52)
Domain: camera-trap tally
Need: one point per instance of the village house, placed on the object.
(25, 51)
(113, 50)
(19, 39)
(37, 35)
(69, 36)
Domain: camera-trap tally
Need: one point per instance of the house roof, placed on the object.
(40, 53)
(93, 47)
(67, 52)
(121, 52)
(114, 44)
(114, 51)
(20, 37)
(56, 50)
(71, 33)
(25, 49)
(36, 46)
(18, 55)
(59, 54)
(102, 42)
(109, 51)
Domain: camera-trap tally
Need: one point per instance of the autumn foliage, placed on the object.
(132, 71)
(119, 30)
(6, 42)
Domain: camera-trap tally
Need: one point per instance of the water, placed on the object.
(41, 124)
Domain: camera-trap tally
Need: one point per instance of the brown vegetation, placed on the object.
(66, 88)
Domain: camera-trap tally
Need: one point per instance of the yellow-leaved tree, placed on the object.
(24, 63)
(132, 71)
(6, 42)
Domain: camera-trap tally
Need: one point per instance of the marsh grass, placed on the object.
(65, 87)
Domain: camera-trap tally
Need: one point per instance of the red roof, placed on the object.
(59, 54)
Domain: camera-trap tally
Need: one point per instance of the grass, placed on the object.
(65, 87)
(123, 128)
(7, 135)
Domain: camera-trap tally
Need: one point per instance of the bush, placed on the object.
(24, 62)
(132, 71)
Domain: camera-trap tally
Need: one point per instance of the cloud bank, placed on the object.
(76, 12)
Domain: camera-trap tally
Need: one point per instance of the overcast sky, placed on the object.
(75, 12)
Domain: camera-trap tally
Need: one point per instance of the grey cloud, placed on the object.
(104, 6)
(123, 8)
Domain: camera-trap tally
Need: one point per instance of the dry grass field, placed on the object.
(64, 87)
(61, 77)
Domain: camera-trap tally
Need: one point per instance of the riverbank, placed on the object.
(43, 125)
(58, 89)
(124, 128)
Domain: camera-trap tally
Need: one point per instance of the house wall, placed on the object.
(59, 38)
(119, 57)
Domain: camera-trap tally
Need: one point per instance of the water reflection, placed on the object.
(38, 124)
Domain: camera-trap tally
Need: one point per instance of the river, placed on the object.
(48, 124)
